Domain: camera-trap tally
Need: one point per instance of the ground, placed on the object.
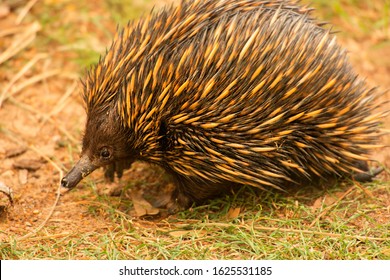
(42, 57)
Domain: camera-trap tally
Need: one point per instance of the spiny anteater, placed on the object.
(226, 93)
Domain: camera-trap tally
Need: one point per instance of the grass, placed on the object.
(81, 44)
(344, 222)
(358, 18)
(123, 11)
(267, 227)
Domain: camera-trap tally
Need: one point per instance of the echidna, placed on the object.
(227, 93)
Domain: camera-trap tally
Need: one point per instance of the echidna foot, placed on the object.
(116, 168)
(367, 176)
(178, 202)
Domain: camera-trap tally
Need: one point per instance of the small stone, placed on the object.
(29, 164)
(15, 152)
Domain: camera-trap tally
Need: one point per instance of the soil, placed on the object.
(42, 117)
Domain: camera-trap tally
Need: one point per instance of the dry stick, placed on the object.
(12, 30)
(25, 11)
(328, 208)
(22, 71)
(21, 42)
(363, 189)
(62, 102)
(31, 81)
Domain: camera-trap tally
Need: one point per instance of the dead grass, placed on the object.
(42, 57)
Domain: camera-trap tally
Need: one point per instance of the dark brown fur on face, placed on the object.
(226, 93)
(105, 144)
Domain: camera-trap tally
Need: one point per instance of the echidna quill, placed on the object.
(228, 93)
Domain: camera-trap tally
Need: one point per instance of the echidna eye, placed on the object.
(105, 153)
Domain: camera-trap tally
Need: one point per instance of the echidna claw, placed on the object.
(367, 176)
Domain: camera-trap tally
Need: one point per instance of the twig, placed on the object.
(25, 11)
(12, 30)
(21, 42)
(30, 82)
(363, 189)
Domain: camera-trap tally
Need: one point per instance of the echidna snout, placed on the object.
(82, 169)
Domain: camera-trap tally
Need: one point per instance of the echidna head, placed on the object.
(104, 143)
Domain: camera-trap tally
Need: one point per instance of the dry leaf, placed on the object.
(233, 213)
(317, 204)
(329, 200)
(179, 233)
(141, 206)
(323, 201)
